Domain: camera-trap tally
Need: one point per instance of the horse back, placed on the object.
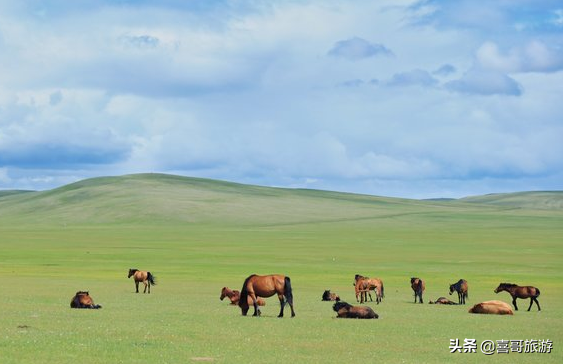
(266, 286)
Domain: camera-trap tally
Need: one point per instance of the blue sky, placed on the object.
(416, 99)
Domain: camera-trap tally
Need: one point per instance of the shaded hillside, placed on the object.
(549, 200)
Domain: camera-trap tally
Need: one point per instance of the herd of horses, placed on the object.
(257, 287)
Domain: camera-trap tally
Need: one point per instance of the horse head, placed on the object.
(503, 287)
(452, 288)
(131, 272)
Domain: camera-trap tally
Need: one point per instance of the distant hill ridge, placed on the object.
(162, 198)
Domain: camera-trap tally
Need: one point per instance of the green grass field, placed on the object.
(199, 235)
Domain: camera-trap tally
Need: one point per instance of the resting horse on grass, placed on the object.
(141, 276)
(520, 292)
(442, 301)
(330, 296)
(462, 290)
(82, 299)
(492, 308)
(418, 287)
(234, 296)
(346, 310)
(266, 286)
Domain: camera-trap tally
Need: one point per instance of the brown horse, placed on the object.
(266, 286)
(418, 286)
(462, 290)
(346, 310)
(82, 299)
(520, 292)
(363, 285)
(492, 308)
(141, 276)
(442, 301)
(330, 296)
(234, 296)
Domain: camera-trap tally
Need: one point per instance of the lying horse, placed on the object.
(418, 287)
(442, 301)
(329, 296)
(82, 299)
(234, 296)
(492, 307)
(520, 292)
(141, 276)
(345, 310)
(266, 286)
(461, 288)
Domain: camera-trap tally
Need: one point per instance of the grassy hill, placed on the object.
(161, 199)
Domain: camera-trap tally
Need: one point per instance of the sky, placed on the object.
(402, 98)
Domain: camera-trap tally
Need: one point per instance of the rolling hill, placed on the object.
(160, 198)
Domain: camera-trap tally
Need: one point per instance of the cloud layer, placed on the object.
(403, 98)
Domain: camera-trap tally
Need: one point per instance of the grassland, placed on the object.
(199, 235)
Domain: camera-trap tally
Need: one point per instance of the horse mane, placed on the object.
(244, 291)
(340, 305)
(508, 284)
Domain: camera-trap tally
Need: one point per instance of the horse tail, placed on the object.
(244, 291)
(287, 291)
(151, 278)
(382, 291)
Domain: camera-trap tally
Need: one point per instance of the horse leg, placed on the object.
(514, 303)
(149, 285)
(420, 297)
(255, 303)
(137, 286)
(537, 303)
(282, 304)
(145, 283)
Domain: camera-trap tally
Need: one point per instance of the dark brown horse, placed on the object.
(418, 286)
(266, 286)
(492, 308)
(82, 299)
(330, 296)
(346, 310)
(520, 292)
(442, 301)
(141, 276)
(234, 296)
(462, 289)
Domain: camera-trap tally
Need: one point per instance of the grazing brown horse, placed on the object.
(266, 286)
(492, 308)
(418, 286)
(82, 299)
(330, 296)
(520, 292)
(346, 310)
(442, 301)
(462, 290)
(141, 276)
(363, 285)
(234, 296)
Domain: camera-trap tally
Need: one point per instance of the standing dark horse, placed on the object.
(266, 286)
(520, 292)
(462, 290)
(140, 276)
(418, 287)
